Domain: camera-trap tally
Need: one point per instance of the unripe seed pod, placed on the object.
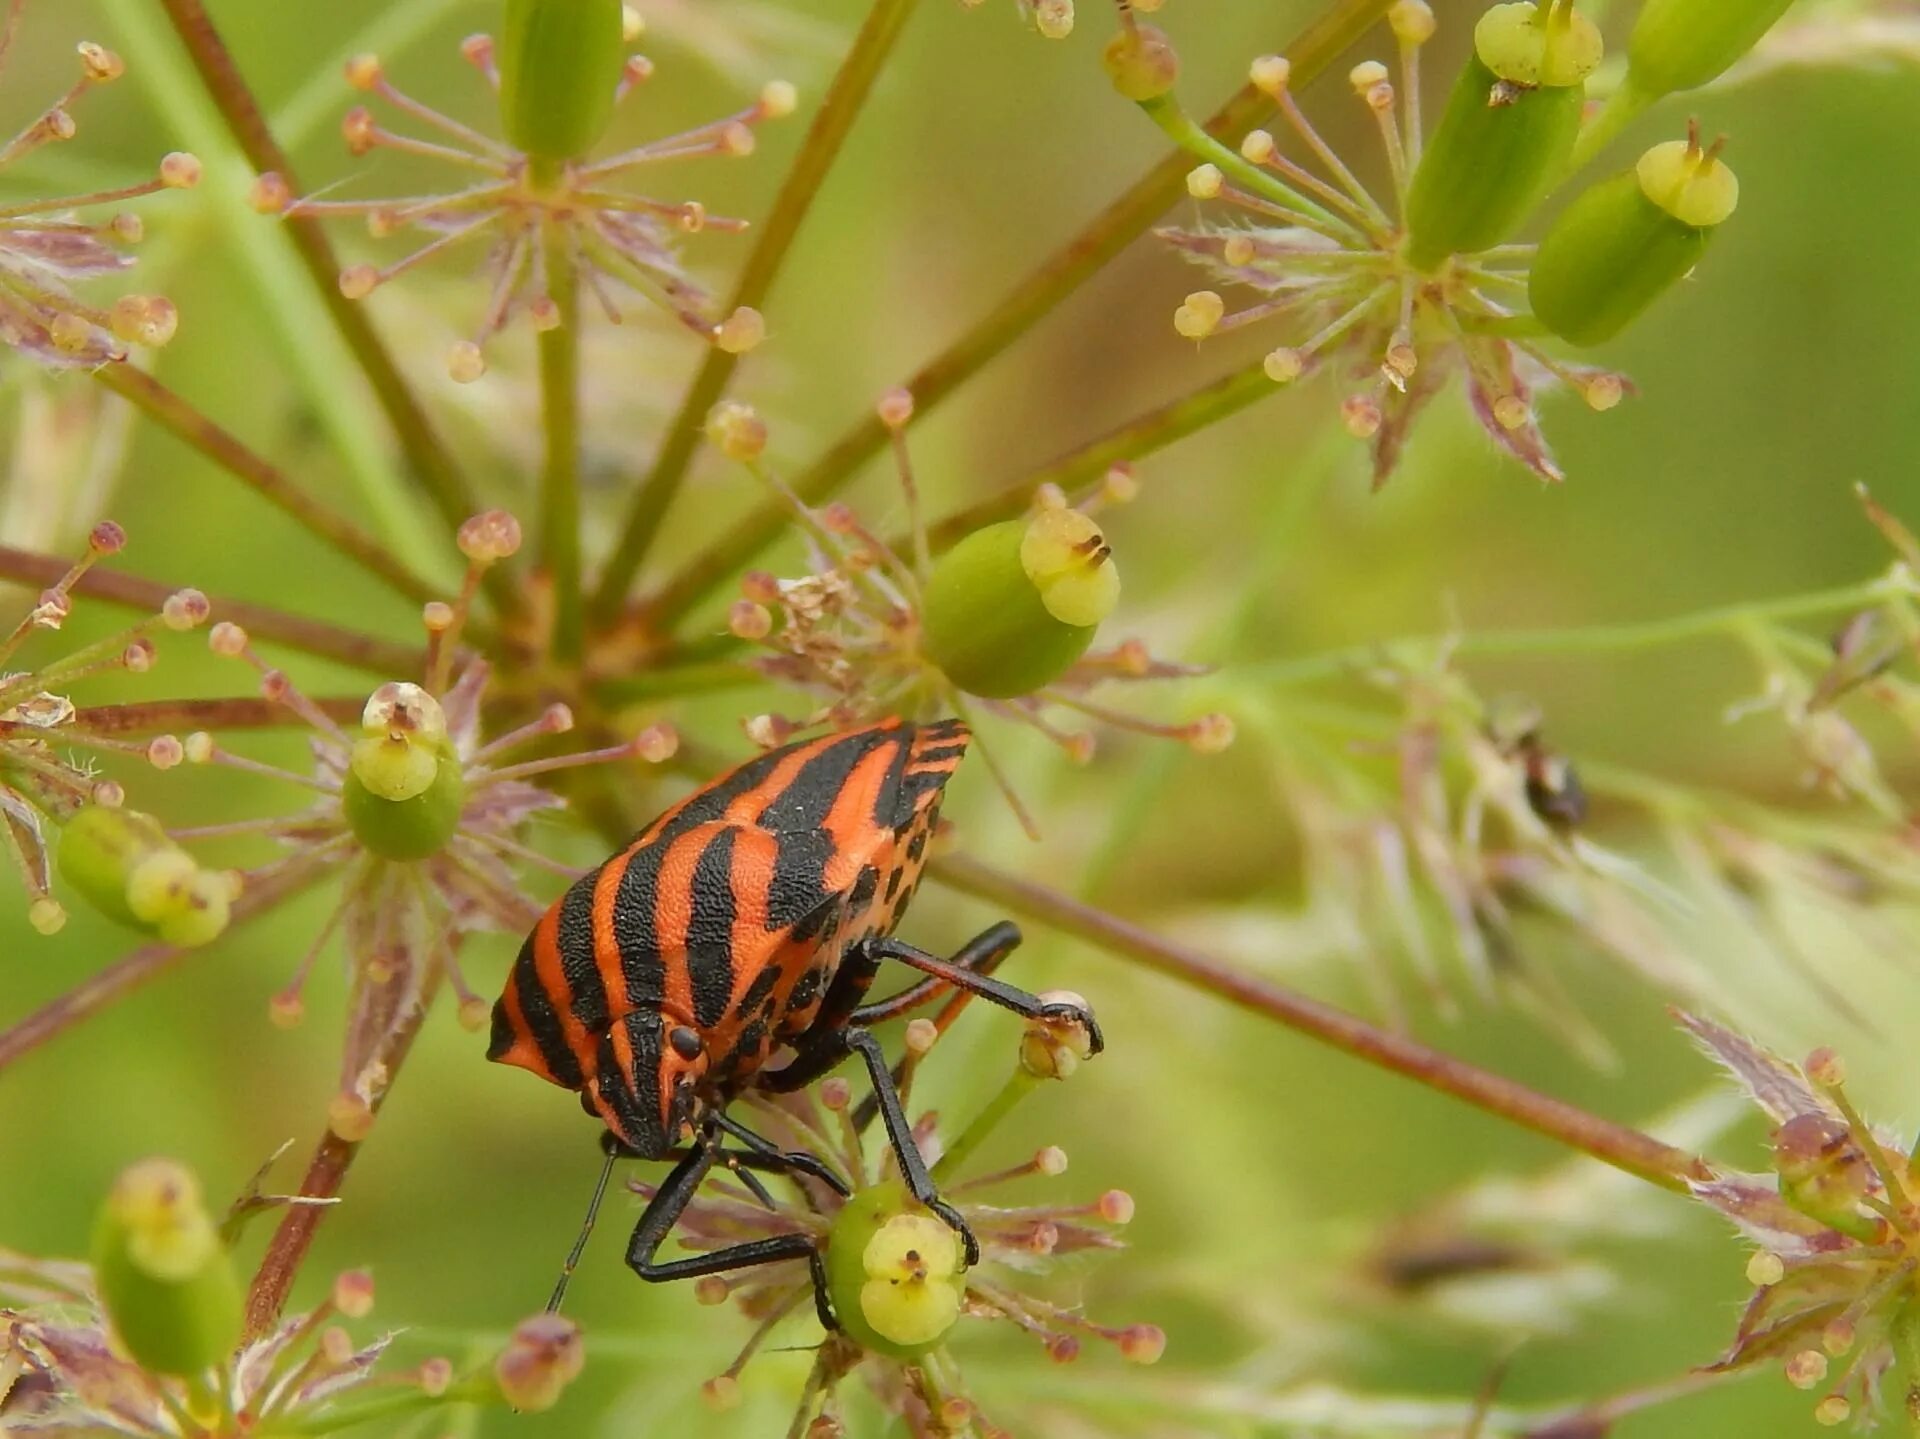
(165, 1280)
(1507, 132)
(1141, 62)
(1623, 243)
(412, 828)
(1824, 1172)
(560, 61)
(124, 864)
(1011, 606)
(1682, 44)
(894, 1273)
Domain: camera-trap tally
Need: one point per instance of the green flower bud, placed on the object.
(1141, 62)
(166, 1281)
(1507, 132)
(560, 61)
(404, 788)
(124, 864)
(1824, 1173)
(1620, 245)
(1682, 44)
(894, 1272)
(1011, 606)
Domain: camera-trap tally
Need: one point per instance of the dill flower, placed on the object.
(899, 1289)
(46, 253)
(419, 814)
(146, 1340)
(539, 210)
(42, 784)
(1005, 620)
(1341, 276)
(1837, 1225)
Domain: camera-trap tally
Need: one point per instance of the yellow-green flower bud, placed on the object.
(1141, 62)
(560, 61)
(895, 1273)
(166, 1281)
(1619, 246)
(1681, 44)
(1507, 132)
(1824, 1173)
(124, 864)
(404, 788)
(1011, 606)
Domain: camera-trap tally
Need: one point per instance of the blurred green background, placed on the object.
(1782, 374)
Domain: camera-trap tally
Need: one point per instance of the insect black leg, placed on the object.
(670, 1201)
(994, 991)
(913, 1169)
(981, 955)
(763, 1153)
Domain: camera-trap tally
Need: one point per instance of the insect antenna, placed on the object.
(586, 1229)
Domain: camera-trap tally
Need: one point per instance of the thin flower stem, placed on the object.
(146, 963)
(1623, 107)
(1720, 620)
(1181, 128)
(1019, 1085)
(428, 456)
(1111, 231)
(326, 1172)
(1135, 438)
(846, 97)
(187, 423)
(560, 416)
(316, 637)
(1625, 1149)
(225, 713)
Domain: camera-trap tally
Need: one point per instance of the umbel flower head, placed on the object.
(898, 1284)
(46, 252)
(1397, 298)
(1836, 1274)
(43, 785)
(147, 1341)
(419, 815)
(1005, 619)
(552, 219)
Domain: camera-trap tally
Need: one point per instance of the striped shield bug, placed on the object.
(749, 918)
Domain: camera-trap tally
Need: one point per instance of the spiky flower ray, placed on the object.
(1329, 259)
(1020, 1244)
(47, 253)
(534, 213)
(436, 864)
(851, 631)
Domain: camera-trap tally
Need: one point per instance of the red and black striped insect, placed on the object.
(750, 917)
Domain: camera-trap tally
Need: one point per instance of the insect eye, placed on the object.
(686, 1042)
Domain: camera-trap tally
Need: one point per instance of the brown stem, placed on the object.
(429, 456)
(852, 83)
(124, 976)
(326, 1173)
(1057, 277)
(227, 713)
(186, 422)
(1626, 1149)
(314, 637)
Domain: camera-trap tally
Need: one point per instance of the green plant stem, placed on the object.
(142, 965)
(1132, 440)
(431, 461)
(187, 423)
(560, 416)
(1623, 107)
(1019, 1085)
(1033, 298)
(364, 1408)
(262, 622)
(845, 99)
(1591, 639)
(1625, 1149)
(1180, 127)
